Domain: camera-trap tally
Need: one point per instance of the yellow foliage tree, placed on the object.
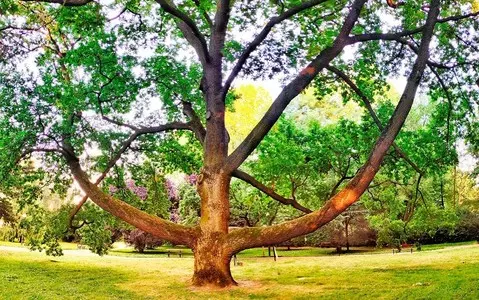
(252, 103)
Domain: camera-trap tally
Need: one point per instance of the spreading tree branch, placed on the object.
(252, 237)
(291, 90)
(200, 133)
(397, 35)
(344, 177)
(262, 36)
(189, 29)
(185, 23)
(125, 146)
(63, 2)
(373, 115)
(39, 149)
(156, 226)
(268, 191)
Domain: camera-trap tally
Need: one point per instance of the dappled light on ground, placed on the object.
(450, 272)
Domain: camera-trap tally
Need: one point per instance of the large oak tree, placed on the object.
(81, 76)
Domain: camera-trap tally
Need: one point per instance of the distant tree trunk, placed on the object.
(442, 194)
(454, 188)
(346, 228)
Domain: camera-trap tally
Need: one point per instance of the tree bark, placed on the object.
(253, 237)
(212, 262)
(346, 229)
(158, 227)
(212, 258)
(213, 188)
(212, 244)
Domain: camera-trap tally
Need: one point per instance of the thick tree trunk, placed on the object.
(213, 188)
(212, 263)
(212, 258)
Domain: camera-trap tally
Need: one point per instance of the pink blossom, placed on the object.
(130, 184)
(141, 192)
(171, 190)
(174, 216)
(192, 179)
(112, 189)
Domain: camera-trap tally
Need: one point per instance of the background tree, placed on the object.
(141, 240)
(6, 213)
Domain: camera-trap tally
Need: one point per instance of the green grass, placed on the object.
(257, 252)
(445, 245)
(448, 273)
(65, 246)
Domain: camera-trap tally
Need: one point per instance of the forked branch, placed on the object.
(252, 237)
(293, 89)
(200, 133)
(262, 36)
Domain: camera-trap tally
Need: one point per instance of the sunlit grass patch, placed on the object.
(448, 273)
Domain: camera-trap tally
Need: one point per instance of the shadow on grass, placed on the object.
(26, 276)
(158, 252)
(51, 279)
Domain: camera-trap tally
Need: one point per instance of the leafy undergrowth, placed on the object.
(448, 273)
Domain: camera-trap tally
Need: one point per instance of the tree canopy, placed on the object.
(94, 91)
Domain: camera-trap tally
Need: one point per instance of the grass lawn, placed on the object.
(65, 246)
(447, 273)
(250, 253)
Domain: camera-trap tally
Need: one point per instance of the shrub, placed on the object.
(141, 240)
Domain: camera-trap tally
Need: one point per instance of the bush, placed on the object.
(7, 234)
(468, 227)
(141, 240)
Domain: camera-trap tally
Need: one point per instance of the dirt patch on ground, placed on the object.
(242, 284)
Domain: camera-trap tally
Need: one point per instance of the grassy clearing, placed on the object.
(65, 246)
(445, 245)
(449, 273)
(257, 252)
